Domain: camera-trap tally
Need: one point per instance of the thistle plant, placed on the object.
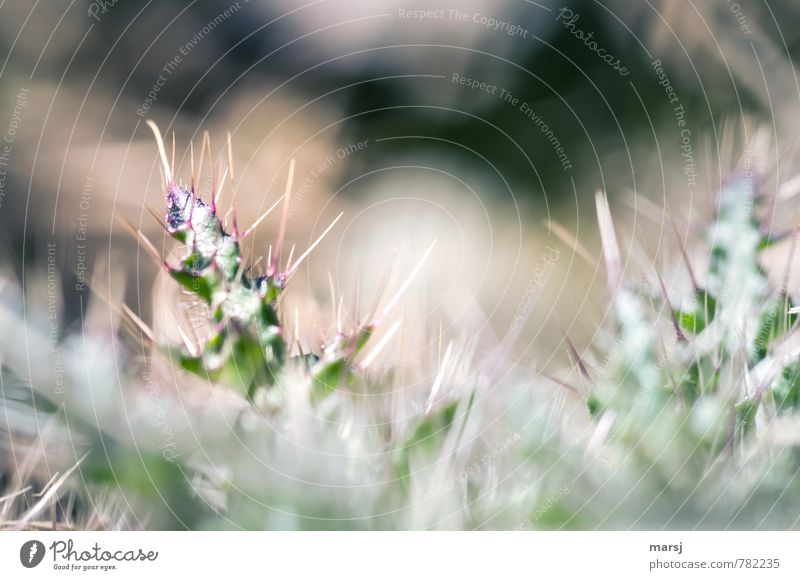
(733, 322)
(246, 346)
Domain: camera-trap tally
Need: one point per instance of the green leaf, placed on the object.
(193, 283)
(775, 320)
(786, 388)
(699, 314)
(327, 378)
(426, 439)
(746, 411)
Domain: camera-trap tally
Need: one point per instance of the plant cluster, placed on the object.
(691, 421)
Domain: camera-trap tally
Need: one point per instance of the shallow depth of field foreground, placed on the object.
(356, 266)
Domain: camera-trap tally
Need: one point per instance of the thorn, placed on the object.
(664, 296)
(193, 350)
(140, 324)
(311, 248)
(193, 328)
(297, 326)
(207, 143)
(158, 219)
(14, 494)
(230, 158)
(333, 299)
(384, 282)
(33, 511)
(675, 322)
(41, 492)
(644, 207)
(263, 217)
(193, 200)
(560, 382)
(575, 356)
(148, 245)
(565, 236)
(284, 218)
(608, 238)
(291, 255)
(357, 300)
(211, 164)
(201, 166)
(437, 383)
(391, 304)
(161, 151)
(380, 345)
(191, 157)
(339, 314)
(239, 272)
(218, 195)
(675, 389)
(784, 289)
(227, 215)
(233, 185)
(684, 255)
(789, 188)
(439, 349)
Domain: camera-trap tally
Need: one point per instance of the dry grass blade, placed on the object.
(44, 501)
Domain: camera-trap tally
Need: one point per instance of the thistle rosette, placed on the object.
(245, 346)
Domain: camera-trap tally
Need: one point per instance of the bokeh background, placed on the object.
(368, 98)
